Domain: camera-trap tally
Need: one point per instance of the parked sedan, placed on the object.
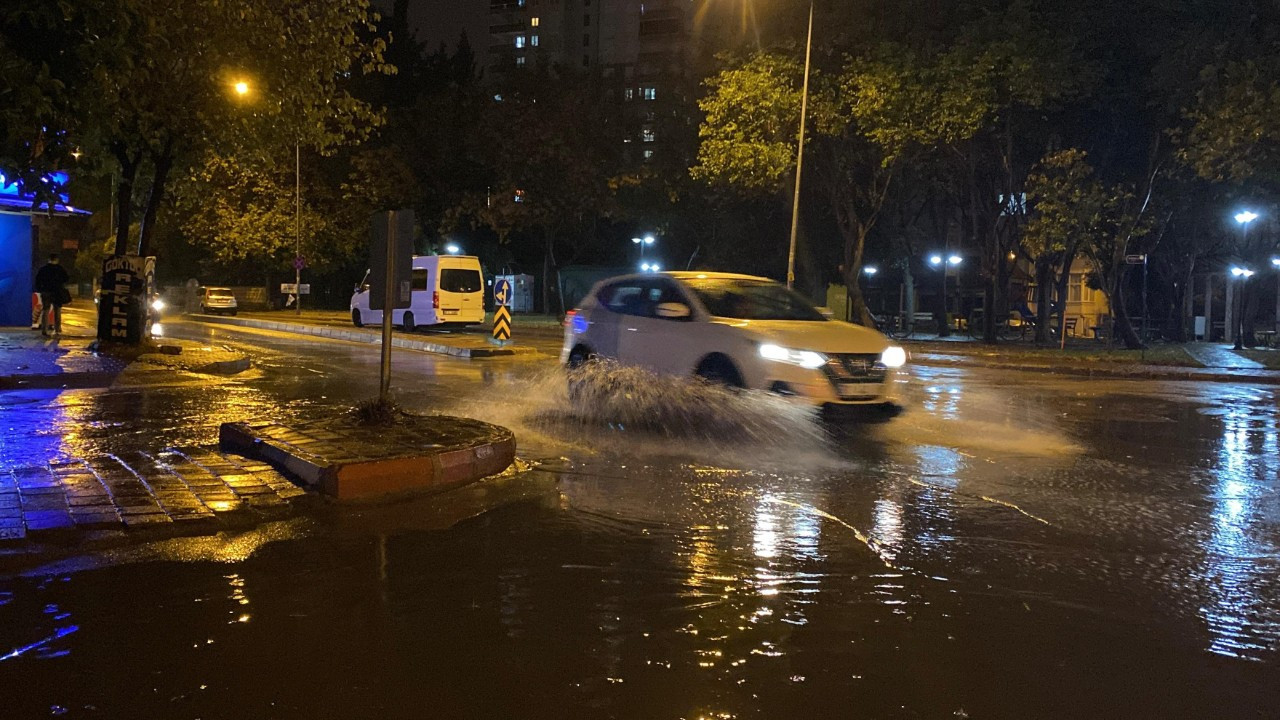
(738, 330)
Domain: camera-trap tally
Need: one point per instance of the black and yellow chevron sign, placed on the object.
(502, 323)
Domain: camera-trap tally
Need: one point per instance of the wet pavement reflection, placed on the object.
(1011, 546)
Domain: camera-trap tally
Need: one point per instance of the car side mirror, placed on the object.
(673, 311)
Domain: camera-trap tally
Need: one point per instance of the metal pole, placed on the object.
(297, 228)
(389, 302)
(1144, 309)
(795, 203)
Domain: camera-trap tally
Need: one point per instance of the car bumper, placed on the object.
(816, 387)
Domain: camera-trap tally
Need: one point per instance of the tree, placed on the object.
(879, 111)
(1066, 204)
(163, 103)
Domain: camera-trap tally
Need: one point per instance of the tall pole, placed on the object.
(388, 304)
(297, 228)
(795, 203)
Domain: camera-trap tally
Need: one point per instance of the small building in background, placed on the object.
(27, 238)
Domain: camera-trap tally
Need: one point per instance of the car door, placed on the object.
(656, 343)
(614, 303)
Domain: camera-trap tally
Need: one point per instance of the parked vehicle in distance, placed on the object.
(446, 290)
(218, 300)
(738, 330)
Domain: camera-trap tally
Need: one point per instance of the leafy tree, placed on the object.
(882, 109)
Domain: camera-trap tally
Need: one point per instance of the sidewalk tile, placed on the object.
(146, 519)
(48, 520)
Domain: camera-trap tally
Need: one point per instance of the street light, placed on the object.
(1238, 324)
(936, 261)
(452, 249)
(242, 88)
(871, 270)
(804, 111)
(643, 242)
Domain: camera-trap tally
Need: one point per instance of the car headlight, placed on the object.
(893, 357)
(157, 304)
(803, 358)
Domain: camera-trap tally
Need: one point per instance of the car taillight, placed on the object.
(435, 299)
(569, 316)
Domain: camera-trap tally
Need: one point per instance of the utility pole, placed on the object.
(795, 203)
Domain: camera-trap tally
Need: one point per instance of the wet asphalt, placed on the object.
(1014, 545)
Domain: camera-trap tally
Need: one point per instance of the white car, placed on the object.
(446, 290)
(739, 330)
(218, 300)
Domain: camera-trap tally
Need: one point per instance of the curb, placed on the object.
(365, 478)
(57, 381)
(355, 335)
(1118, 373)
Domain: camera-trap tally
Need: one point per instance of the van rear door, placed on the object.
(461, 292)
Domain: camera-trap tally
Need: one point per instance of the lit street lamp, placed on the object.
(936, 261)
(243, 89)
(452, 249)
(1238, 324)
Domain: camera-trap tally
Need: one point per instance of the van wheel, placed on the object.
(719, 370)
(579, 357)
(355, 318)
(407, 324)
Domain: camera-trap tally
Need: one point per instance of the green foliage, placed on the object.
(752, 123)
(1067, 204)
(1233, 132)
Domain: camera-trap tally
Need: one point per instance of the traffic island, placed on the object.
(350, 458)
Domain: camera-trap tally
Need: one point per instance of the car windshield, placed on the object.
(752, 300)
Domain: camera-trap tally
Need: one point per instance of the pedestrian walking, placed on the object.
(51, 283)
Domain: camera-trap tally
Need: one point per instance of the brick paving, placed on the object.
(187, 488)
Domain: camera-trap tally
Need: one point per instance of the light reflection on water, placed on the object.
(1241, 621)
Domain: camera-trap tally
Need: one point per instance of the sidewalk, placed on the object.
(1204, 362)
(468, 345)
(29, 360)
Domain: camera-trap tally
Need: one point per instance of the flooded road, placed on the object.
(1012, 546)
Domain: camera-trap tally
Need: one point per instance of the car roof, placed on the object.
(696, 275)
(216, 287)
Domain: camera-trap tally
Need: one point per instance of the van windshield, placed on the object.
(460, 281)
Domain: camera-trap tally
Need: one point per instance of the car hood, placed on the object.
(831, 336)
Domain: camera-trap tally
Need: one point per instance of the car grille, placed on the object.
(855, 368)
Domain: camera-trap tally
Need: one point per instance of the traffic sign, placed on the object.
(299, 263)
(502, 292)
(295, 289)
(1135, 259)
(502, 323)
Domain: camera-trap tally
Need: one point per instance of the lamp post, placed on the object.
(804, 111)
(938, 262)
(1275, 262)
(1243, 274)
(643, 242)
(243, 89)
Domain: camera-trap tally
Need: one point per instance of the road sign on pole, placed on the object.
(390, 276)
(1135, 259)
(502, 292)
(502, 323)
(299, 263)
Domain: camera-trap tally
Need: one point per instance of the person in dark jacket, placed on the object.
(51, 283)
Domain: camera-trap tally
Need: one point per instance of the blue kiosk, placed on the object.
(20, 234)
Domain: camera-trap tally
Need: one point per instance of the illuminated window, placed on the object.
(649, 93)
(533, 22)
(648, 154)
(533, 40)
(647, 135)
(519, 41)
(630, 93)
(520, 61)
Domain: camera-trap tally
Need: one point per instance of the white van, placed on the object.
(447, 290)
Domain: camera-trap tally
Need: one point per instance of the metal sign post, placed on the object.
(502, 311)
(1141, 260)
(391, 267)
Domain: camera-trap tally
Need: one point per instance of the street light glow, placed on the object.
(954, 259)
(644, 267)
(452, 249)
(1241, 272)
(1246, 217)
(242, 88)
(635, 240)
(1275, 261)
(648, 239)
(935, 260)
(870, 270)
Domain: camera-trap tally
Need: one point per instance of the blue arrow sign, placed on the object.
(502, 292)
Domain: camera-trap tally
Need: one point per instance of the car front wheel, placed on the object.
(355, 318)
(720, 370)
